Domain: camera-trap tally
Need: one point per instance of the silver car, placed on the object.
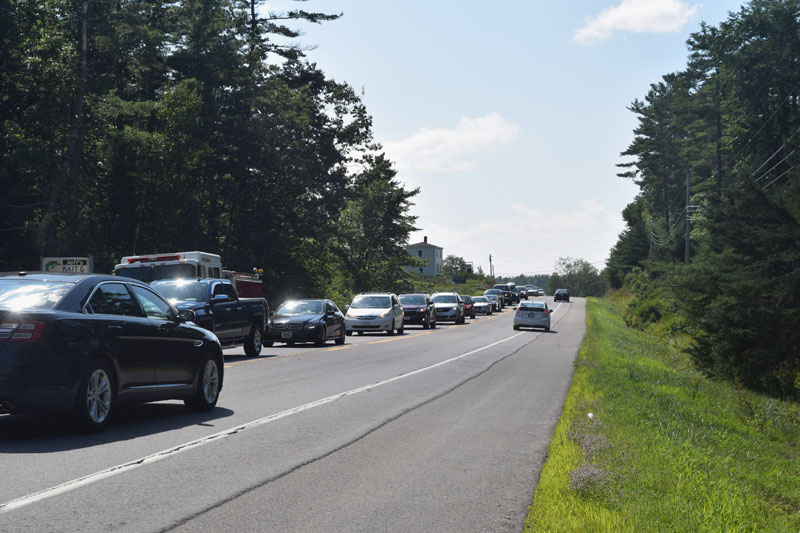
(380, 311)
(482, 305)
(532, 315)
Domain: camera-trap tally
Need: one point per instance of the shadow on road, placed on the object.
(47, 434)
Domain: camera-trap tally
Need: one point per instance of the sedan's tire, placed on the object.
(340, 339)
(322, 337)
(209, 383)
(252, 344)
(96, 399)
(348, 333)
(433, 324)
(268, 344)
(426, 323)
(402, 328)
(547, 329)
(516, 328)
(390, 331)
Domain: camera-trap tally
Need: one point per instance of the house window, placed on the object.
(419, 253)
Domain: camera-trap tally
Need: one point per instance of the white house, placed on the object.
(431, 253)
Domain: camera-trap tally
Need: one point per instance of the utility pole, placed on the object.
(491, 268)
(688, 217)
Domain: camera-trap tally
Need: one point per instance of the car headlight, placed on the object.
(311, 325)
(384, 315)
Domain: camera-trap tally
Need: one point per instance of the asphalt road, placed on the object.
(434, 430)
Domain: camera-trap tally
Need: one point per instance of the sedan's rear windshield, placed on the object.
(445, 299)
(533, 306)
(495, 292)
(181, 290)
(502, 287)
(412, 299)
(480, 299)
(25, 294)
(371, 302)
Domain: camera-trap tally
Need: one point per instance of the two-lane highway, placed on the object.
(434, 430)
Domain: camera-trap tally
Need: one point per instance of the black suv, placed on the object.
(508, 297)
(561, 294)
(418, 309)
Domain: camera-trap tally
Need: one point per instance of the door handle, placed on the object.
(114, 328)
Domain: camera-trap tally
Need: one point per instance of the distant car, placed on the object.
(561, 295)
(449, 306)
(469, 307)
(540, 291)
(380, 311)
(498, 294)
(418, 309)
(88, 343)
(508, 296)
(314, 321)
(482, 304)
(532, 315)
(523, 292)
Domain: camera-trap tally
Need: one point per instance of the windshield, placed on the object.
(22, 294)
(300, 307)
(412, 299)
(141, 273)
(151, 273)
(371, 302)
(445, 299)
(493, 291)
(182, 290)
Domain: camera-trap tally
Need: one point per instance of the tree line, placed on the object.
(139, 127)
(729, 123)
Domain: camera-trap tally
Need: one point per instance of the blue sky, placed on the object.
(510, 117)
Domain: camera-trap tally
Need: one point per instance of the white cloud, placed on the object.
(636, 16)
(451, 149)
(530, 240)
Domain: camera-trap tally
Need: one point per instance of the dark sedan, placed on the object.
(86, 343)
(314, 321)
(418, 309)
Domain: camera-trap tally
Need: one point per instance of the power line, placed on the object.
(733, 158)
(779, 177)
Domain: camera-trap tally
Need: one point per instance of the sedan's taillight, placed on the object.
(21, 331)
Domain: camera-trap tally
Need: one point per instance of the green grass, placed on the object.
(666, 448)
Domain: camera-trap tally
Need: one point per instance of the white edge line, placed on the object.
(149, 459)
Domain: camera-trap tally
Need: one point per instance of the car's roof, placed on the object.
(375, 294)
(64, 277)
(413, 294)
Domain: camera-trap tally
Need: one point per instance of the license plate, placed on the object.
(286, 335)
(533, 315)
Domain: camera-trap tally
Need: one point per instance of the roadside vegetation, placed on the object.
(646, 442)
(715, 158)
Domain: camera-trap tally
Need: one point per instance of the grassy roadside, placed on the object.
(664, 448)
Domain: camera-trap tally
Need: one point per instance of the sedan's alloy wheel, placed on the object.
(210, 381)
(98, 396)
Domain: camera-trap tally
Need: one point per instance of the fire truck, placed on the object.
(176, 265)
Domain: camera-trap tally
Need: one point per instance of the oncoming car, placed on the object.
(87, 343)
(314, 321)
(374, 312)
(449, 306)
